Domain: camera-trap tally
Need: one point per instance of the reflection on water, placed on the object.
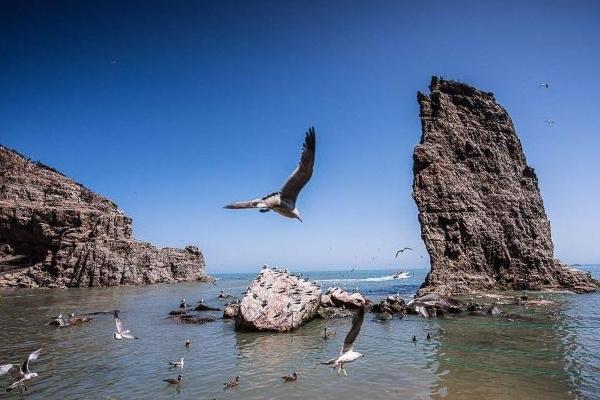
(550, 354)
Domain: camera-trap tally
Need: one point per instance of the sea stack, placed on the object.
(481, 213)
(54, 232)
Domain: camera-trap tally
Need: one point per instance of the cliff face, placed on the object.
(56, 232)
(481, 213)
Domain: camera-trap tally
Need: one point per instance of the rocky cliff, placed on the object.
(481, 213)
(55, 232)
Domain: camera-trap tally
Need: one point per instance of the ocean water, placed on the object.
(549, 351)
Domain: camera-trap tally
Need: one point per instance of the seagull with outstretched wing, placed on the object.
(348, 355)
(20, 373)
(402, 250)
(121, 333)
(284, 201)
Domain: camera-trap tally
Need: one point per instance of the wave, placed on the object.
(377, 279)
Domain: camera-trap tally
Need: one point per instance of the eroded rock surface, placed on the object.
(54, 232)
(481, 213)
(277, 301)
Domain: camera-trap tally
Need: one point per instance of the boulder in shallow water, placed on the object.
(277, 301)
(390, 305)
(342, 298)
(231, 311)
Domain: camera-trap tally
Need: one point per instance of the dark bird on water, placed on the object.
(174, 381)
(233, 382)
(284, 201)
(402, 251)
(290, 378)
(428, 336)
(414, 339)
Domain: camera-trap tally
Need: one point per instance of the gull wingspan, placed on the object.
(357, 321)
(303, 172)
(32, 357)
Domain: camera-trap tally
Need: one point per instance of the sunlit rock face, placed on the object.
(481, 213)
(278, 301)
(54, 232)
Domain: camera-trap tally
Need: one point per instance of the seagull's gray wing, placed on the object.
(357, 321)
(269, 201)
(14, 370)
(303, 172)
(32, 357)
(128, 335)
(118, 323)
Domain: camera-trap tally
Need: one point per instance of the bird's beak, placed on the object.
(299, 219)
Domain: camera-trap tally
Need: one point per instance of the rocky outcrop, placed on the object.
(277, 301)
(481, 213)
(54, 232)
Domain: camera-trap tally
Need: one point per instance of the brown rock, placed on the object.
(341, 298)
(481, 213)
(56, 232)
(277, 301)
(231, 311)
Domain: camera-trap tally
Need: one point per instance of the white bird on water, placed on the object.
(176, 364)
(348, 355)
(20, 373)
(284, 202)
(121, 333)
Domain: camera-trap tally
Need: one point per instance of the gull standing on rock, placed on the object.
(120, 333)
(348, 355)
(20, 373)
(284, 202)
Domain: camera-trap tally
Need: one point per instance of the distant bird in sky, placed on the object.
(290, 378)
(545, 85)
(402, 250)
(233, 382)
(284, 202)
(121, 333)
(549, 122)
(20, 373)
(174, 381)
(176, 364)
(348, 355)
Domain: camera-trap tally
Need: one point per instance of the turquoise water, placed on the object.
(544, 352)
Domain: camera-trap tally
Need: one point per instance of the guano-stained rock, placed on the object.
(481, 213)
(277, 301)
(54, 232)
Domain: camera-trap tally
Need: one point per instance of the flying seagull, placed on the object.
(348, 355)
(121, 334)
(284, 201)
(549, 122)
(20, 373)
(402, 250)
(545, 85)
(176, 364)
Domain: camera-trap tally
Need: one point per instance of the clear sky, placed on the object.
(175, 108)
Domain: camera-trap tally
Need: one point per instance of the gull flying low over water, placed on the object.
(121, 333)
(348, 355)
(284, 202)
(20, 373)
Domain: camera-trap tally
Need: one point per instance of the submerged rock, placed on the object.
(231, 311)
(277, 301)
(481, 213)
(390, 305)
(54, 232)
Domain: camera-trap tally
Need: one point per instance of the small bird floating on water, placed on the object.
(233, 382)
(290, 378)
(348, 355)
(58, 321)
(414, 339)
(176, 364)
(284, 201)
(428, 336)
(121, 333)
(188, 342)
(183, 304)
(174, 381)
(20, 373)
(327, 333)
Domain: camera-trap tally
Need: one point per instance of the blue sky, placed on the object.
(173, 109)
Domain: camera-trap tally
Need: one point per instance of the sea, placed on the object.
(549, 350)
